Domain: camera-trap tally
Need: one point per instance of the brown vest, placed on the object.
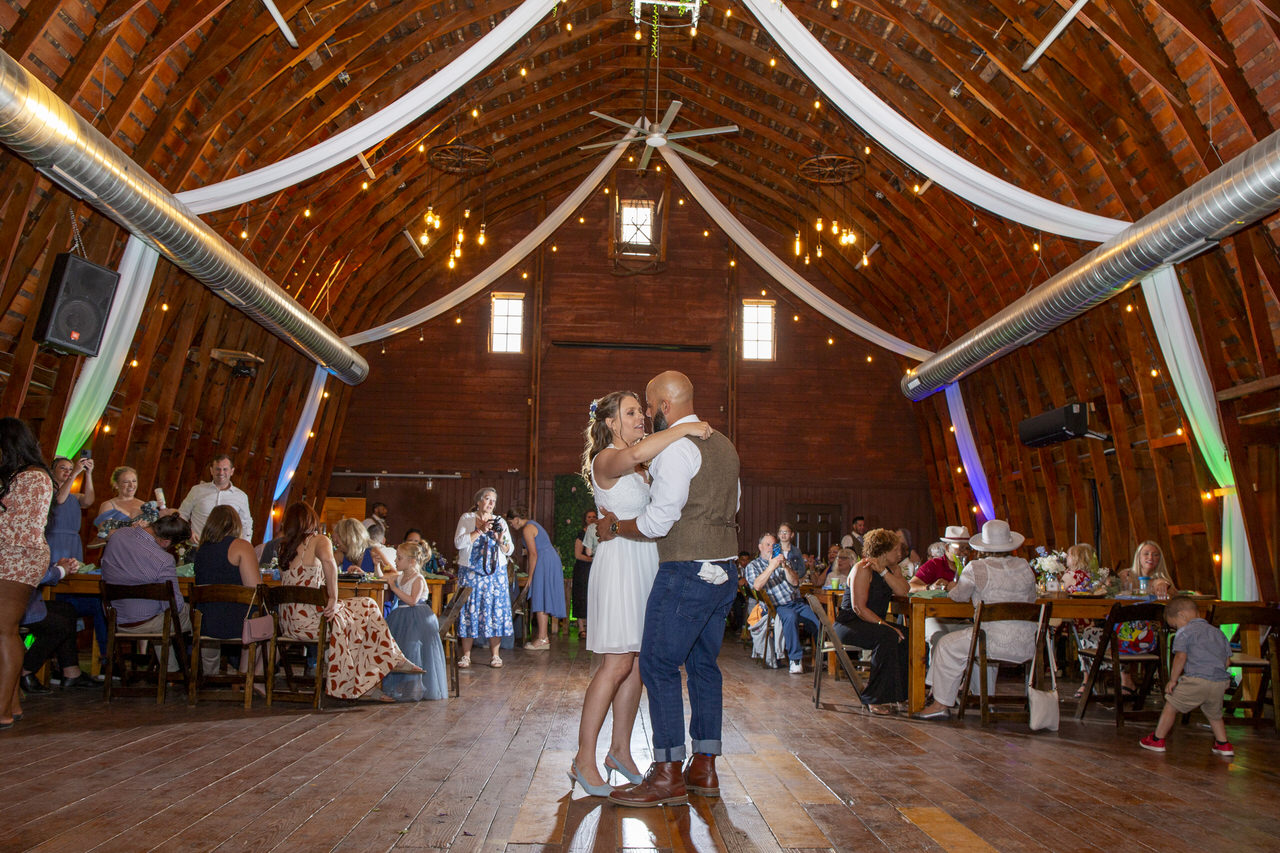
(706, 529)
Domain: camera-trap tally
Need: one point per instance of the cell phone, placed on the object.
(86, 453)
(160, 498)
(777, 549)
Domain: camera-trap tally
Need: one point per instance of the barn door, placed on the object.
(817, 526)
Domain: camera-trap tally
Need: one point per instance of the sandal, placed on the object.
(495, 662)
(464, 662)
(375, 694)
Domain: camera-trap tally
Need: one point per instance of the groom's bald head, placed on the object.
(668, 398)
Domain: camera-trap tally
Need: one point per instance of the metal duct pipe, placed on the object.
(1238, 194)
(43, 130)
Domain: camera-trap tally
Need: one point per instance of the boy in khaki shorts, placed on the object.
(1198, 678)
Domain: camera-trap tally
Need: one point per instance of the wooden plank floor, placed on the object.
(487, 773)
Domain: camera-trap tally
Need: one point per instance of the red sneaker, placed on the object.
(1224, 748)
(1155, 744)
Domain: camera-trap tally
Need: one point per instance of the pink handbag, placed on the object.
(257, 628)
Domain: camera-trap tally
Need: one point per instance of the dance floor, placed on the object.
(487, 772)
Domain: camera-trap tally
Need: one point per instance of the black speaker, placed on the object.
(1071, 421)
(76, 305)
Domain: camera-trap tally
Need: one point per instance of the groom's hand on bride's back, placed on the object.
(604, 526)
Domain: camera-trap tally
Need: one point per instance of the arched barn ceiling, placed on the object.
(1133, 102)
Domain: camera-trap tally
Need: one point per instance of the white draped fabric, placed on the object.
(98, 377)
(969, 457)
(781, 271)
(915, 147)
(1182, 356)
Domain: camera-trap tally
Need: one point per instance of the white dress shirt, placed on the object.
(462, 539)
(201, 500)
(671, 471)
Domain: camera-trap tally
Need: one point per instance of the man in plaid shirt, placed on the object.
(779, 581)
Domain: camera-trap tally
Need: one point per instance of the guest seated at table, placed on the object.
(378, 544)
(416, 630)
(351, 547)
(776, 576)
(413, 534)
(126, 505)
(360, 650)
(52, 624)
(817, 573)
(909, 560)
(138, 555)
(944, 556)
(860, 621)
(998, 578)
(1134, 638)
(223, 558)
(841, 567)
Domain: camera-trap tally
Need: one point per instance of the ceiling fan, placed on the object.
(656, 135)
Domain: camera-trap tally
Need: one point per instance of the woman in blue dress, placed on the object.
(484, 542)
(416, 630)
(545, 577)
(63, 528)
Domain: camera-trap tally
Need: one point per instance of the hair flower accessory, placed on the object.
(592, 409)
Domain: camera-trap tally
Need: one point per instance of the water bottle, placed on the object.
(1142, 584)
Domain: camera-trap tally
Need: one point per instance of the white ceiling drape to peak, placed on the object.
(779, 270)
(913, 146)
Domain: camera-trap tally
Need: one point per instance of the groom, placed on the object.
(694, 500)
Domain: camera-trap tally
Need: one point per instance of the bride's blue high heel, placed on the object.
(611, 763)
(593, 790)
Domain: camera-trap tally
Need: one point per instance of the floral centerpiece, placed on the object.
(1049, 567)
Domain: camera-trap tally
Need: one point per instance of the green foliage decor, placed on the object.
(572, 499)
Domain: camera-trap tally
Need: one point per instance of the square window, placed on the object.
(757, 330)
(636, 233)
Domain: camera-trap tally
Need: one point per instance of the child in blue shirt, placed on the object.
(1198, 678)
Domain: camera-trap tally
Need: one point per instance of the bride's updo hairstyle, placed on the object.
(598, 436)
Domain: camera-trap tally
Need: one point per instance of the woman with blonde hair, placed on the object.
(622, 574)
(351, 539)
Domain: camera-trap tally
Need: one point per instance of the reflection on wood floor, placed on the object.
(488, 772)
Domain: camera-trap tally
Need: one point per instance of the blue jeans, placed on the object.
(792, 614)
(684, 626)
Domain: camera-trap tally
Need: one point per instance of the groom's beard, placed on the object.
(659, 421)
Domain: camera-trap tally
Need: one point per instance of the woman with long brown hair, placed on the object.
(622, 573)
(361, 650)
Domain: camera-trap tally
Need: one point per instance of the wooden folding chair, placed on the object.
(281, 644)
(771, 624)
(986, 614)
(829, 644)
(1153, 663)
(169, 636)
(222, 594)
(449, 638)
(1267, 666)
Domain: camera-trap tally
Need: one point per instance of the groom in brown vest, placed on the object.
(694, 500)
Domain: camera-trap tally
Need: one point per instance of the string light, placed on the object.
(1154, 373)
(818, 224)
(638, 36)
(831, 342)
(1208, 496)
(819, 250)
(582, 220)
(772, 62)
(797, 244)
(423, 239)
(326, 395)
(959, 469)
(693, 32)
(1217, 558)
(133, 363)
(106, 427)
(480, 237)
(524, 275)
(364, 185)
(451, 262)
(764, 293)
(422, 336)
(868, 359)
(244, 235)
(975, 509)
(866, 261)
(706, 233)
(457, 321)
(164, 306)
(1179, 430)
(806, 258)
(568, 26)
(733, 263)
(728, 13)
(952, 428)
(524, 72)
(555, 248)
(866, 150)
(1035, 247)
(311, 434)
(307, 213)
(817, 105)
(795, 318)
(475, 113)
(1128, 309)
(421, 148)
(680, 202)
(835, 4)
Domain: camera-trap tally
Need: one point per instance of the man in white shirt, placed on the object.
(691, 512)
(377, 515)
(203, 497)
(854, 540)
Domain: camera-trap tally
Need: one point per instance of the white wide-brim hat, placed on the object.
(957, 534)
(996, 537)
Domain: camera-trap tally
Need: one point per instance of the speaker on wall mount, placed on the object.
(1052, 427)
(76, 305)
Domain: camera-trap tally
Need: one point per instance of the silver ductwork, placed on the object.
(45, 131)
(1234, 196)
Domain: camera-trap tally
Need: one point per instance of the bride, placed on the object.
(621, 574)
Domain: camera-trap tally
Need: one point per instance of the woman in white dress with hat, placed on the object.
(622, 574)
(999, 577)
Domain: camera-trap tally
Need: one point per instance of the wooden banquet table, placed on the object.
(918, 608)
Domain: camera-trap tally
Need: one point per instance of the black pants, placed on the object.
(889, 659)
(55, 634)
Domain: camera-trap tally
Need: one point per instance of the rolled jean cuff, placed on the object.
(672, 753)
(707, 747)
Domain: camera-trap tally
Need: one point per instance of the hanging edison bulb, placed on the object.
(451, 263)
(461, 234)
(457, 251)
(430, 216)
(835, 227)
(480, 237)
(797, 244)
(818, 224)
(806, 259)
(423, 238)
(819, 250)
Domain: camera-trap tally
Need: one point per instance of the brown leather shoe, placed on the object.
(700, 775)
(663, 785)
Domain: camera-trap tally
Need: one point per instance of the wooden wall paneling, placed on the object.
(1007, 478)
(271, 430)
(1264, 341)
(24, 355)
(1267, 256)
(168, 383)
(1114, 543)
(1039, 532)
(46, 215)
(1051, 374)
(1104, 368)
(1264, 566)
(1024, 371)
(537, 348)
(932, 459)
(1150, 408)
(59, 399)
(22, 198)
(209, 338)
(345, 394)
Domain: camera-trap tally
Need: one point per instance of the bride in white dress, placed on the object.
(622, 573)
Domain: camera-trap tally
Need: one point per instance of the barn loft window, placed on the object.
(757, 330)
(637, 231)
(506, 322)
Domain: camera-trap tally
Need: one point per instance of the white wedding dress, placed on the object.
(622, 572)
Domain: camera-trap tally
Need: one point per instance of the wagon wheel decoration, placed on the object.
(831, 169)
(459, 158)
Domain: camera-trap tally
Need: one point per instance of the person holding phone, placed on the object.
(63, 529)
(774, 574)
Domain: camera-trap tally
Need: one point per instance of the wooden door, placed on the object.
(816, 526)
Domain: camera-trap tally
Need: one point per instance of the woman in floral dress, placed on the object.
(360, 651)
(484, 542)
